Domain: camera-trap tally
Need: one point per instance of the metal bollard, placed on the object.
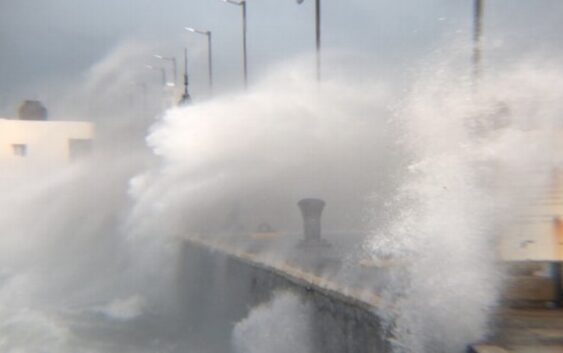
(315, 253)
(311, 210)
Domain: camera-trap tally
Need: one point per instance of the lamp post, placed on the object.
(317, 34)
(162, 73)
(164, 99)
(144, 92)
(242, 4)
(209, 56)
(174, 66)
(477, 38)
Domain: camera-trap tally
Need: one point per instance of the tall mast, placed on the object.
(186, 99)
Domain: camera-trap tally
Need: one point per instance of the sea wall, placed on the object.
(218, 289)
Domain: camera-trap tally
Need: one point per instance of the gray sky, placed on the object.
(46, 43)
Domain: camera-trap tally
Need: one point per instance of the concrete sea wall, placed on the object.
(218, 288)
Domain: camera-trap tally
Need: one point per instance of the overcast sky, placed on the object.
(49, 42)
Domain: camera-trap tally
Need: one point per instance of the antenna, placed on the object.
(478, 9)
(186, 99)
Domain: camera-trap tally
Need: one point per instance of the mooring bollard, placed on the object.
(315, 252)
(311, 210)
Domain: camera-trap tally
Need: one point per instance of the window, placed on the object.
(79, 148)
(19, 150)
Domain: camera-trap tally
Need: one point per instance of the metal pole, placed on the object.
(477, 38)
(242, 4)
(175, 68)
(145, 95)
(318, 36)
(210, 61)
(245, 62)
(186, 71)
(163, 74)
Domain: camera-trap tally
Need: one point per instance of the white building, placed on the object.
(42, 142)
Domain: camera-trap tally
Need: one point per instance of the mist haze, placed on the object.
(420, 165)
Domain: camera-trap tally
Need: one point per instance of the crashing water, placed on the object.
(470, 151)
(88, 252)
(286, 315)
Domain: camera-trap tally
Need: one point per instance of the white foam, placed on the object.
(279, 326)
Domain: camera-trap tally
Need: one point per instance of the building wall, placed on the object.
(38, 143)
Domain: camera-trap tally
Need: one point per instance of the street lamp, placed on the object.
(144, 91)
(174, 66)
(477, 38)
(318, 34)
(162, 73)
(209, 57)
(242, 4)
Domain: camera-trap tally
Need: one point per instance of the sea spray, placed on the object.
(255, 155)
(279, 326)
(74, 277)
(466, 145)
(261, 152)
(232, 163)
